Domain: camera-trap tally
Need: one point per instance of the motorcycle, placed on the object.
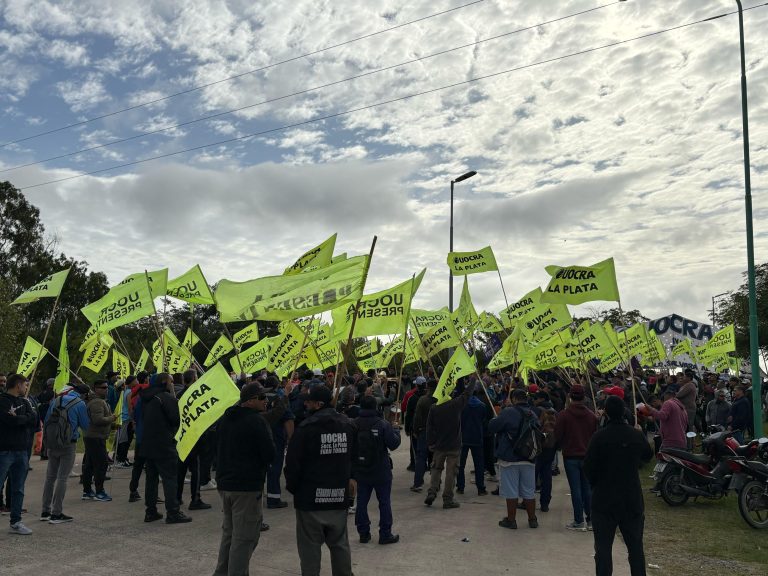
(681, 474)
(753, 498)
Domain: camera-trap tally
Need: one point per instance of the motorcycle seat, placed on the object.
(685, 455)
(759, 466)
(744, 450)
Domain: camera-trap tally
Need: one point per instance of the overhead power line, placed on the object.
(236, 76)
(300, 92)
(390, 101)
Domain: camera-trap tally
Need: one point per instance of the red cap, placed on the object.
(533, 388)
(615, 391)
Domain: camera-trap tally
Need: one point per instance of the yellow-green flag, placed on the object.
(127, 302)
(121, 364)
(462, 263)
(465, 315)
(254, 357)
(459, 365)
(141, 365)
(190, 339)
(286, 347)
(440, 337)
(543, 320)
(518, 309)
(634, 338)
(368, 348)
(30, 357)
(48, 287)
(682, 347)
(722, 342)
(221, 347)
(318, 257)
(248, 334)
(203, 403)
(157, 279)
(191, 287)
(62, 372)
(327, 355)
(95, 354)
(425, 320)
(579, 284)
(489, 323)
(383, 312)
(118, 411)
(290, 297)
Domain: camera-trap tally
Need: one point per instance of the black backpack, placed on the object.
(370, 446)
(530, 438)
(58, 429)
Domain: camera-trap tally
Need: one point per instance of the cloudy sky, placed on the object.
(632, 151)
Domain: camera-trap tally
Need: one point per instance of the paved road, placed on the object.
(111, 538)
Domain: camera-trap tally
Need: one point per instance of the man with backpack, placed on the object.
(67, 415)
(520, 441)
(372, 468)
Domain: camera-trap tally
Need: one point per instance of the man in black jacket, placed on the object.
(160, 421)
(614, 455)
(244, 453)
(372, 469)
(318, 472)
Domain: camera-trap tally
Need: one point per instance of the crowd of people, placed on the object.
(332, 443)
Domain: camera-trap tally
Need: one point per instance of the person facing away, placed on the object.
(95, 460)
(372, 469)
(245, 451)
(614, 456)
(474, 421)
(192, 462)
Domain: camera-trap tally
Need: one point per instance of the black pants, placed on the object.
(192, 463)
(122, 447)
(138, 468)
(94, 463)
(206, 447)
(489, 458)
(161, 469)
(604, 528)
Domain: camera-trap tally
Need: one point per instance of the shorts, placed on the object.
(518, 480)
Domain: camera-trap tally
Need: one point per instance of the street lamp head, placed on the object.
(465, 176)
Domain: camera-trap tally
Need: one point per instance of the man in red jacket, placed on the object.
(574, 428)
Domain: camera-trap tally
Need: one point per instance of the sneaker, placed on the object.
(577, 526)
(210, 485)
(533, 522)
(88, 495)
(178, 518)
(411, 468)
(365, 538)
(103, 497)
(389, 539)
(507, 523)
(352, 509)
(60, 519)
(152, 515)
(134, 497)
(555, 471)
(45, 516)
(416, 488)
(429, 499)
(277, 504)
(492, 478)
(20, 529)
(495, 492)
(450, 504)
(264, 527)
(199, 505)
(124, 464)
(589, 525)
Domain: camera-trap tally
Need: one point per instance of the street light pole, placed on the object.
(754, 353)
(461, 178)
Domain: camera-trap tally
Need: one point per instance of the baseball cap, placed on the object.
(321, 394)
(577, 392)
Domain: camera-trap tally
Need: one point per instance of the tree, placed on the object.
(597, 314)
(735, 310)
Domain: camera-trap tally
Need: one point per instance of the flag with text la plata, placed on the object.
(579, 284)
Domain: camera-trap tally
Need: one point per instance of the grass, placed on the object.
(702, 537)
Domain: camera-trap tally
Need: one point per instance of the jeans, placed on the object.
(384, 496)
(94, 463)
(631, 526)
(165, 469)
(274, 472)
(13, 466)
(422, 454)
(477, 459)
(544, 474)
(60, 463)
(317, 527)
(240, 531)
(581, 494)
(449, 461)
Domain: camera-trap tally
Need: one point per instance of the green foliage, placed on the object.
(735, 310)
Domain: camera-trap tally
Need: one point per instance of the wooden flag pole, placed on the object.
(402, 362)
(347, 349)
(303, 344)
(45, 338)
(629, 364)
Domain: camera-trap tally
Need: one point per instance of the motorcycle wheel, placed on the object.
(671, 492)
(753, 504)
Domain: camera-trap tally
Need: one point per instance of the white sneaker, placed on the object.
(577, 526)
(209, 486)
(20, 529)
(352, 510)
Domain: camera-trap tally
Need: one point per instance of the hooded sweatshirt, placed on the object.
(574, 428)
(245, 450)
(160, 421)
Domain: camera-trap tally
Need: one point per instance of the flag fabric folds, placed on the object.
(62, 371)
(462, 263)
(123, 304)
(30, 357)
(318, 257)
(191, 287)
(579, 284)
(459, 365)
(48, 287)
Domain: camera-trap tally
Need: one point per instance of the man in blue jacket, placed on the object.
(373, 470)
(474, 421)
(518, 476)
(61, 459)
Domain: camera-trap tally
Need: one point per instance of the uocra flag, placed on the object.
(579, 284)
(462, 263)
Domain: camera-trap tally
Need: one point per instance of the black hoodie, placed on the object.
(245, 450)
(160, 421)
